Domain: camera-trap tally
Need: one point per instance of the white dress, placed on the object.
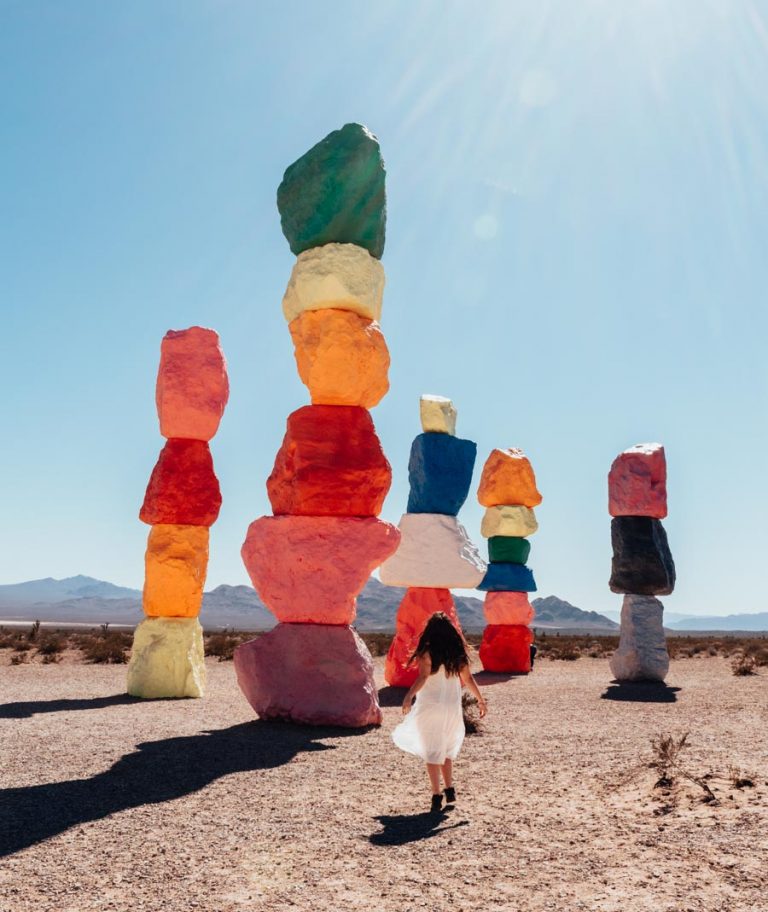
(434, 728)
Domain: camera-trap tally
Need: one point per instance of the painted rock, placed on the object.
(337, 276)
(508, 479)
(313, 674)
(637, 482)
(508, 550)
(310, 569)
(508, 608)
(438, 414)
(434, 552)
(416, 608)
(642, 562)
(440, 473)
(514, 521)
(642, 653)
(167, 659)
(330, 464)
(335, 193)
(176, 563)
(506, 648)
(342, 357)
(183, 489)
(508, 578)
(192, 386)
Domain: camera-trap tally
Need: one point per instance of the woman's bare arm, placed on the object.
(425, 669)
(469, 682)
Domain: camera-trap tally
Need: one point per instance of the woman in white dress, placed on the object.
(434, 725)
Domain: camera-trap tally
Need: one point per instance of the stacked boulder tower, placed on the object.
(642, 566)
(312, 557)
(435, 552)
(508, 492)
(182, 501)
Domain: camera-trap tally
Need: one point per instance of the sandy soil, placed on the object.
(110, 803)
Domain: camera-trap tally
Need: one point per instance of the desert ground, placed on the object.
(111, 803)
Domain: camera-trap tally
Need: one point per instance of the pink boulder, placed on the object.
(309, 673)
(192, 386)
(310, 569)
(508, 608)
(637, 482)
(416, 608)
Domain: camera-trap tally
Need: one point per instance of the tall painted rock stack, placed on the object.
(311, 558)
(642, 562)
(435, 553)
(181, 502)
(508, 492)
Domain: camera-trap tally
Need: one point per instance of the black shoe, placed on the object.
(437, 804)
(450, 795)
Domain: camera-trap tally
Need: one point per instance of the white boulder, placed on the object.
(167, 659)
(642, 653)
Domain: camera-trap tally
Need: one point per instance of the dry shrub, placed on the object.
(743, 665)
(52, 658)
(224, 644)
(377, 643)
(666, 760)
(51, 644)
(738, 779)
(105, 648)
(20, 659)
(471, 713)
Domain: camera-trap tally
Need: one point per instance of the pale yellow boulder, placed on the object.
(437, 414)
(516, 521)
(338, 276)
(167, 659)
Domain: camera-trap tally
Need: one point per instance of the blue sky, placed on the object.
(577, 254)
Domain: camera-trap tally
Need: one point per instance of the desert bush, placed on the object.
(51, 644)
(666, 753)
(101, 649)
(743, 665)
(51, 658)
(377, 643)
(471, 712)
(34, 630)
(22, 645)
(738, 779)
(224, 644)
(20, 658)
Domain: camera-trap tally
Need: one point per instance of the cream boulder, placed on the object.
(167, 659)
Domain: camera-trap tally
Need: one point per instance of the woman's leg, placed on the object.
(433, 769)
(447, 770)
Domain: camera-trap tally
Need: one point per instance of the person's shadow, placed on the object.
(403, 828)
(155, 772)
(640, 692)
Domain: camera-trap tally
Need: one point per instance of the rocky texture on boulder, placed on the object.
(192, 385)
(330, 464)
(416, 608)
(437, 414)
(506, 648)
(637, 482)
(337, 276)
(642, 562)
(175, 564)
(508, 479)
(315, 674)
(440, 473)
(167, 659)
(342, 358)
(310, 569)
(335, 193)
(183, 488)
(642, 653)
(435, 552)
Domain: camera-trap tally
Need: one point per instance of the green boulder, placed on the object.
(508, 550)
(335, 193)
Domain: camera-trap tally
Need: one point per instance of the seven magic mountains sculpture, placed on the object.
(435, 553)
(642, 563)
(181, 503)
(312, 557)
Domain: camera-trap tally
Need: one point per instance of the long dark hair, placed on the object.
(444, 645)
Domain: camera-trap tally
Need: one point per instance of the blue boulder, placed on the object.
(508, 578)
(440, 473)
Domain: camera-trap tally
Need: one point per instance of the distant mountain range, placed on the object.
(84, 600)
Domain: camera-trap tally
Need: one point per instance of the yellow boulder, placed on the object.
(342, 357)
(167, 659)
(516, 521)
(437, 414)
(337, 276)
(175, 563)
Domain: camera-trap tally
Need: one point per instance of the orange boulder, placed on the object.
(506, 648)
(183, 489)
(508, 608)
(192, 386)
(176, 564)
(342, 357)
(416, 608)
(508, 479)
(330, 464)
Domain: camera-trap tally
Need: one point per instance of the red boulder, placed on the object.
(183, 488)
(506, 648)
